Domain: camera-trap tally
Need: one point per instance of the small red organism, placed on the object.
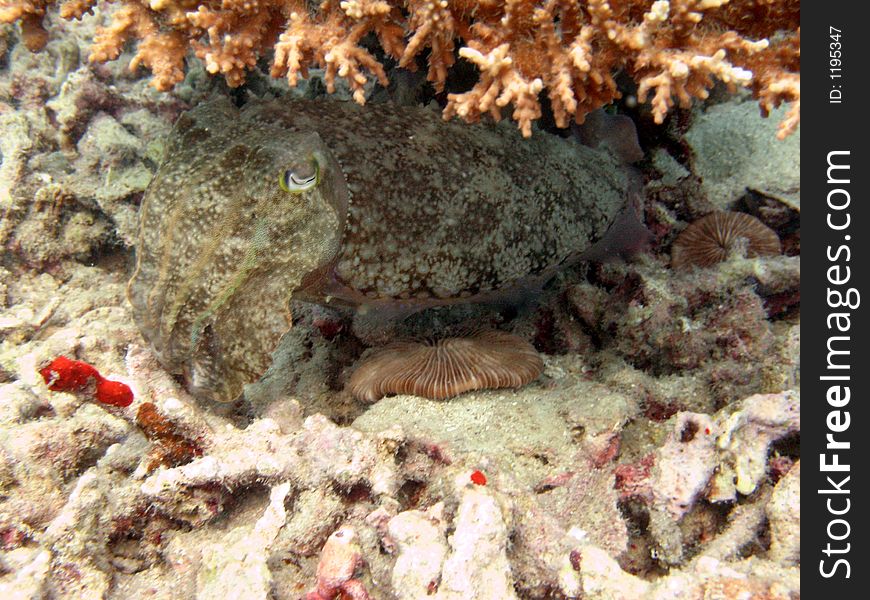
(478, 478)
(114, 393)
(576, 559)
(66, 375)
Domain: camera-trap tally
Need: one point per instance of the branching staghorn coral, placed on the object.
(568, 49)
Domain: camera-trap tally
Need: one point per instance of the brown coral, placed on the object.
(172, 448)
(491, 359)
(708, 240)
(30, 14)
(568, 49)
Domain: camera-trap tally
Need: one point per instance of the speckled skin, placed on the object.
(410, 211)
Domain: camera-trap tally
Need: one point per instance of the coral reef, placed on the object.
(569, 49)
(783, 510)
(477, 559)
(420, 546)
(599, 577)
(79, 147)
(236, 565)
(283, 485)
(657, 455)
(710, 457)
(691, 321)
(745, 438)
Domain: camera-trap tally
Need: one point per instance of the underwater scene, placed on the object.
(399, 299)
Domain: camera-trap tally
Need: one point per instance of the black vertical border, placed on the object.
(828, 127)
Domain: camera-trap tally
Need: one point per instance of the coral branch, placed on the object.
(674, 49)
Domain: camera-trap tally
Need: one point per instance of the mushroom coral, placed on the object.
(708, 240)
(447, 367)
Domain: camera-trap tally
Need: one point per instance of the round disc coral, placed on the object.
(708, 240)
(448, 367)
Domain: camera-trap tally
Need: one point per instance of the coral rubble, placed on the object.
(568, 49)
(257, 506)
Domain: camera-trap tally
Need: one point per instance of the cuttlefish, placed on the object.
(378, 209)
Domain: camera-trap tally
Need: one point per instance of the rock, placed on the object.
(783, 512)
(422, 546)
(744, 440)
(236, 566)
(735, 149)
(477, 566)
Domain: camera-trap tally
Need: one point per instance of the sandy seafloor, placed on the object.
(656, 457)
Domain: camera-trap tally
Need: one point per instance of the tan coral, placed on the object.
(433, 26)
(569, 49)
(449, 367)
(30, 14)
(331, 40)
(708, 240)
(237, 35)
(162, 52)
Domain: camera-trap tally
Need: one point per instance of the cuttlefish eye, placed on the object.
(300, 177)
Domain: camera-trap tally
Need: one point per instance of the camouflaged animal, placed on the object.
(381, 207)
